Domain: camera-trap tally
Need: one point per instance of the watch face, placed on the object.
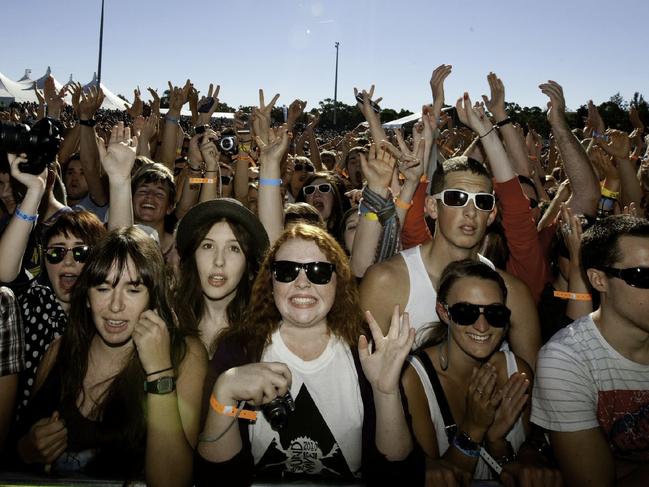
(164, 385)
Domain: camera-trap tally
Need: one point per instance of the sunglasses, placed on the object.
(54, 255)
(465, 314)
(322, 188)
(459, 198)
(316, 272)
(633, 276)
(299, 166)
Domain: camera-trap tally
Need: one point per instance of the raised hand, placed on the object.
(295, 110)
(595, 120)
(37, 182)
(618, 144)
(55, 100)
(46, 440)
(178, 97)
(473, 116)
(634, 117)
(120, 156)
(366, 107)
(440, 73)
(136, 108)
(155, 103)
(571, 230)
(90, 102)
(207, 105)
(511, 400)
(496, 104)
(210, 153)
(274, 149)
(151, 338)
(378, 167)
(266, 109)
(557, 104)
(383, 366)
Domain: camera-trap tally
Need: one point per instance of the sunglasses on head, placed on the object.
(322, 188)
(633, 276)
(316, 272)
(300, 166)
(465, 314)
(459, 198)
(56, 254)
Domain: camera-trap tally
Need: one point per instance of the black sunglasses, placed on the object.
(316, 272)
(460, 198)
(633, 276)
(299, 166)
(465, 314)
(322, 188)
(56, 254)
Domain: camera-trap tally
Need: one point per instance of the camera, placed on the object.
(228, 144)
(40, 142)
(276, 411)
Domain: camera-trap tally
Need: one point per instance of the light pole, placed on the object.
(101, 42)
(335, 84)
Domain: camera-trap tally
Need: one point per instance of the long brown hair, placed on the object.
(344, 318)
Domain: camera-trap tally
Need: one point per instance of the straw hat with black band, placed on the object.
(215, 210)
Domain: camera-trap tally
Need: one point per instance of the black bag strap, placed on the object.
(449, 423)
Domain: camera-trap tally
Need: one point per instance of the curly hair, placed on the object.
(344, 318)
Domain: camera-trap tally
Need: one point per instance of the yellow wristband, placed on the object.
(607, 193)
(232, 410)
(573, 296)
(371, 216)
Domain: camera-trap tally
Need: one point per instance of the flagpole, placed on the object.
(101, 42)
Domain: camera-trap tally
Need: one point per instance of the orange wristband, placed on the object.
(402, 204)
(573, 296)
(232, 411)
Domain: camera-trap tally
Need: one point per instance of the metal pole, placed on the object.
(101, 42)
(336, 84)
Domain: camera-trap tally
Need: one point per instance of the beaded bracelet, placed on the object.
(25, 216)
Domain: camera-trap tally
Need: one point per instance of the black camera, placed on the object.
(276, 411)
(228, 144)
(40, 142)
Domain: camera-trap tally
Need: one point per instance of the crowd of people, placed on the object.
(188, 301)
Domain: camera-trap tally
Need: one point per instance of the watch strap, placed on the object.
(163, 385)
(91, 122)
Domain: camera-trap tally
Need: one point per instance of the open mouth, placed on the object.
(302, 301)
(67, 281)
(216, 280)
(479, 338)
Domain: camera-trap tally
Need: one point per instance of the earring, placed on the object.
(443, 355)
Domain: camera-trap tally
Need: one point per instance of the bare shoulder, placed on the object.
(196, 355)
(382, 277)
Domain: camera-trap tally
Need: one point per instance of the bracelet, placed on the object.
(25, 216)
(231, 411)
(465, 445)
(371, 216)
(172, 119)
(160, 371)
(91, 122)
(573, 296)
(488, 132)
(491, 461)
(504, 122)
(607, 193)
(202, 180)
(270, 182)
(402, 204)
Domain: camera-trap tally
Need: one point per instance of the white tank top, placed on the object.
(422, 297)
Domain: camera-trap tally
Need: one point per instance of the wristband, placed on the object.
(202, 180)
(573, 296)
(91, 122)
(402, 204)
(607, 193)
(270, 182)
(463, 442)
(171, 119)
(160, 371)
(232, 410)
(488, 132)
(25, 216)
(371, 216)
(504, 122)
(491, 461)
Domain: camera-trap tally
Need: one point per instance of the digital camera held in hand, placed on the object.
(40, 142)
(228, 144)
(276, 411)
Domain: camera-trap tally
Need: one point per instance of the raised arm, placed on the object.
(372, 117)
(177, 98)
(575, 161)
(118, 164)
(619, 147)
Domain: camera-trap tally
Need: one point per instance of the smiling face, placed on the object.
(117, 303)
(461, 227)
(151, 203)
(221, 262)
(321, 201)
(300, 302)
(478, 340)
(63, 275)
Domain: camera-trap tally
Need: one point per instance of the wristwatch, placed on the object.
(463, 442)
(163, 385)
(91, 122)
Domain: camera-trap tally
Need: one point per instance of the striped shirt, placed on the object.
(583, 383)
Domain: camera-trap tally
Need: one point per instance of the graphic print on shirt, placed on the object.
(306, 445)
(624, 417)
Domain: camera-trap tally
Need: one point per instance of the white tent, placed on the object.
(111, 100)
(187, 113)
(18, 91)
(402, 121)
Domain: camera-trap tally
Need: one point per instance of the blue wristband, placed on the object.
(25, 216)
(270, 182)
(171, 119)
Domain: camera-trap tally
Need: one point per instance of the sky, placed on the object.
(593, 48)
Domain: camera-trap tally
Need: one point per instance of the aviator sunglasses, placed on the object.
(633, 276)
(322, 188)
(56, 254)
(316, 272)
(465, 314)
(459, 198)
